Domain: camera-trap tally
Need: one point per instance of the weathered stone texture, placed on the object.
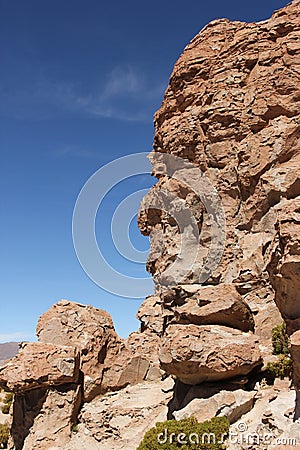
(232, 110)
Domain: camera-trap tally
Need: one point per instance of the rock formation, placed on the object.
(78, 357)
(232, 110)
(223, 221)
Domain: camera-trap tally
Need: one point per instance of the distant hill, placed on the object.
(8, 350)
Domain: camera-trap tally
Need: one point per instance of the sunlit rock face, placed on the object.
(230, 114)
(78, 357)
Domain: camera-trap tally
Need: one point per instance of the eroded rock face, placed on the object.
(195, 354)
(150, 315)
(284, 266)
(107, 362)
(118, 421)
(231, 111)
(225, 403)
(201, 305)
(78, 357)
(43, 418)
(40, 365)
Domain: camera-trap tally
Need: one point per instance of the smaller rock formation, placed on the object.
(107, 362)
(78, 357)
(37, 366)
(119, 420)
(232, 404)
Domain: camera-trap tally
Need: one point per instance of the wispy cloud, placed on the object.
(17, 336)
(122, 80)
(125, 93)
(75, 152)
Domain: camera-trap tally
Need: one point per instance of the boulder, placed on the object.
(39, 365)
(195, 354)
(89, 329)
(231, 404)
(150, 315)
(209, 305)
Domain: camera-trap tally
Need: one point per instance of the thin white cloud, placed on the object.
(124, 87)
(76, 152)
(17, 336)
(125, 94)
(122, 80)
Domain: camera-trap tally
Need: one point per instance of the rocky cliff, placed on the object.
(223, 221)
(232, 110)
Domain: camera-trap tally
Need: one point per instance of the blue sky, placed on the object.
(79, 84)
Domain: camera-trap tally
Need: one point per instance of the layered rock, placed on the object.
(37, 366)
(78, 357)
(227, 149)
(195, 354)
(118, 421)
(107, 362)
(202, 305)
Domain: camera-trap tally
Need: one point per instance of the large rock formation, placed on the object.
(223, 220)
(231, 115)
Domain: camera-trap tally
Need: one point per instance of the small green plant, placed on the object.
(187, 434)
(5, 408)
(280, 340)
(283, 366)
(7, 402)
(4, 435)
(280, 368)
(74, 428)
